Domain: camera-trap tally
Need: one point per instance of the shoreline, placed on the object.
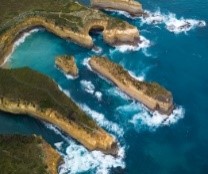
(132, 7)
(130, 89)
(55, 108)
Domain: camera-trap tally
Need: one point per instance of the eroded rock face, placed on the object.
(74, 23)
(24, 91)
(67, 64)
(130, 6)
(152, 95)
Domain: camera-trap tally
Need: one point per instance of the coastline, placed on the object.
(115, 31)
(130, 89)
(52, 106)
(132, 7)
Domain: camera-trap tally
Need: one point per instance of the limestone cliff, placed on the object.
(67, 64)
(151, 95)
(130, 6)
(70, 21)
(24, 91)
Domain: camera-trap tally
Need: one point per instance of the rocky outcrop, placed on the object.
(132, 7)
(24, 91)
(67, 64)
(21, 152)
(73, 24)
(151, 95)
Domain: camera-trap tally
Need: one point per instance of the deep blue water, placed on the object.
(177, 61)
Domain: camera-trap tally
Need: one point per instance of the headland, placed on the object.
(27, 154)
(25, 91)
(133, 7)
(152, 95)
(69, 20)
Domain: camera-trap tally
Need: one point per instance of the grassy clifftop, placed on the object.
(152, 89)
(66, 13)
(34, 88)
(27, 154)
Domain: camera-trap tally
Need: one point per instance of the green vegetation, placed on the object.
(152, 89)
(65, 13)
(22, 155)
(33, 88)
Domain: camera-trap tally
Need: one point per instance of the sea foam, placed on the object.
(171, 22)
(88, 86)
(78, 159)
(153, 120)
(144, 43)
(19, 41)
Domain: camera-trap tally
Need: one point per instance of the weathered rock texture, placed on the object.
(24, 91)
(151, 95)
(69, 20)
(132, 7)
(67, 64)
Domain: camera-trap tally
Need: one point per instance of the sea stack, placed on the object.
(152, 95)
(132, 7)
(67, 64)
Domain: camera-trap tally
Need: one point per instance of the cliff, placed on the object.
(132, 7)
(67, 64)
(151, 95)
(19, 153)
(24, 91)
(69, 20)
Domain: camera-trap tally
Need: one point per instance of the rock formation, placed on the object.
(151, 95)
(24, 91)
(132, 7)
(68, 20)
(67, 64)
(18, 153)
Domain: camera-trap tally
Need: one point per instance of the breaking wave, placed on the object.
(19, 41)
(88, 86)
(103, 122)
(171, 22)
(98, 95)
(143, 44)
(153, 120)
(78, 159)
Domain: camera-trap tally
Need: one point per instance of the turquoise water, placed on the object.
(147, 144)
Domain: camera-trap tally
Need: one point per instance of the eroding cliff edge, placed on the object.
(24, 91)
(151, 95)
(69, 20)
(18, 153)
(132, 7)
(67, 64)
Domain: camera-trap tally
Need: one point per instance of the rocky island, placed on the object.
(67, 19)
(25, 91)
(21, 154)
(152, 95)
(67, 64)
(131, 6)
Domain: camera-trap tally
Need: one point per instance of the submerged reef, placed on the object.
(21, 154)
(67, 64)
(152, 95)
(25, 91)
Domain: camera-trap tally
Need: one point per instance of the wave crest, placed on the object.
(145, 119)
(171, 22)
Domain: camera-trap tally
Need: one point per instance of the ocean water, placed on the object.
(174, 56)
